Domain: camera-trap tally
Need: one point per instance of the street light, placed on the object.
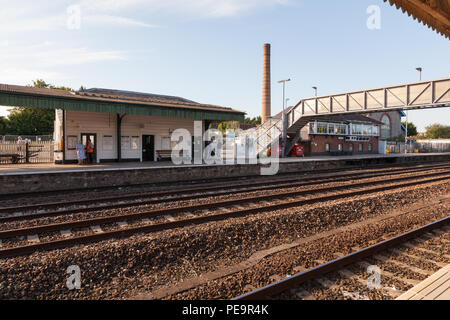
(284, 83)
(315, 90)
(406, 127)
(283, 116)
(420, 73)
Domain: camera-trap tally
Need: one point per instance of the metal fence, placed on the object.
(422, 146)
(36, 138)
(21, 152)
(397, 147)
(435, 145)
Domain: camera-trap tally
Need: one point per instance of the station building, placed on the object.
(352, 133)
(391, 126)
(349, 133)
(123, 125)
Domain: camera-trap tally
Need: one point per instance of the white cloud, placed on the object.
(23, 75)
(203, 8)
(21, 63)
(74, 56)
(28, 17)
(24, 24)
(46, 55)
(104, 19)
(46, 16)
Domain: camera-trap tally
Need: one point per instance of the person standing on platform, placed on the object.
(81, 156)
(90, 151)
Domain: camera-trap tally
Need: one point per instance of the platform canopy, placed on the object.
(433, 13)
(114, 101)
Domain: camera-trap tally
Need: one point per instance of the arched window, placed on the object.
(327, 147)
(386, 127)
(350, 147)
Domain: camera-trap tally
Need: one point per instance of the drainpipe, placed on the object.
(64, 136)
(119, 137)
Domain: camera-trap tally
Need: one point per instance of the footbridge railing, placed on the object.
(417, 95)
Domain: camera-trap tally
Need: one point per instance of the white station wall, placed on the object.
(105, 124)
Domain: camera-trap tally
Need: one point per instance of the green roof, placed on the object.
(114, 101)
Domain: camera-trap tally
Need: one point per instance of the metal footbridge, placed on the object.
(417, 95)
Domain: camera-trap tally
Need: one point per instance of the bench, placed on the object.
(13, 156)
(163, 154)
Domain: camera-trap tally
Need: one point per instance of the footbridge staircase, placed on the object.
(417, 95)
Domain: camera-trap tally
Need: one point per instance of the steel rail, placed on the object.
(188, 190)
(224, 179)
(194, 182)
(297, 279)
(21, 250)
(283, 184)
(176, 210)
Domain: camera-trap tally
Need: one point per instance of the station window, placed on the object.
(340, 146)
(322, 127)
(386, 127)
(350, 147)
(327, 147)
(370, 147)
(360, 147)
(340, 128)
(331, 128)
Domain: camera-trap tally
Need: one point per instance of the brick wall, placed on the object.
(318, 143)
(48, 181)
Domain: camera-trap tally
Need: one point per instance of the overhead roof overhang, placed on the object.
(24, 96)
(433, 13)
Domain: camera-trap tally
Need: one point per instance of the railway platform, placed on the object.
(25, 178)
(435, 287)
(43, 168)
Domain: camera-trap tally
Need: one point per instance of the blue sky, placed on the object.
(210, 51)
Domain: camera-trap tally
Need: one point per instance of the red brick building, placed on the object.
(341, 134)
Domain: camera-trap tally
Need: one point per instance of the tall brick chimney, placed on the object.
(266, 101)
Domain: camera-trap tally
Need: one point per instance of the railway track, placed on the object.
(354, 276)
(59, 235)
(64, 193)
(27, 212)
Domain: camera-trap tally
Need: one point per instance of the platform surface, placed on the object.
(7, 169)
(435, 287)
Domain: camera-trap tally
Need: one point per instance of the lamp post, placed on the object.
(283, 116)
(406, 127)
(420, 73)
(284, 83)
(315, 91)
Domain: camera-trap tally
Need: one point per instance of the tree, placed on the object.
(412, 129)
(32, 121)
(437, 131)
(3, 125)
(228, 125)
(255, 120)
(39, 83)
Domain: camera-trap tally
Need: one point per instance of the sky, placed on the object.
(211, 51)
